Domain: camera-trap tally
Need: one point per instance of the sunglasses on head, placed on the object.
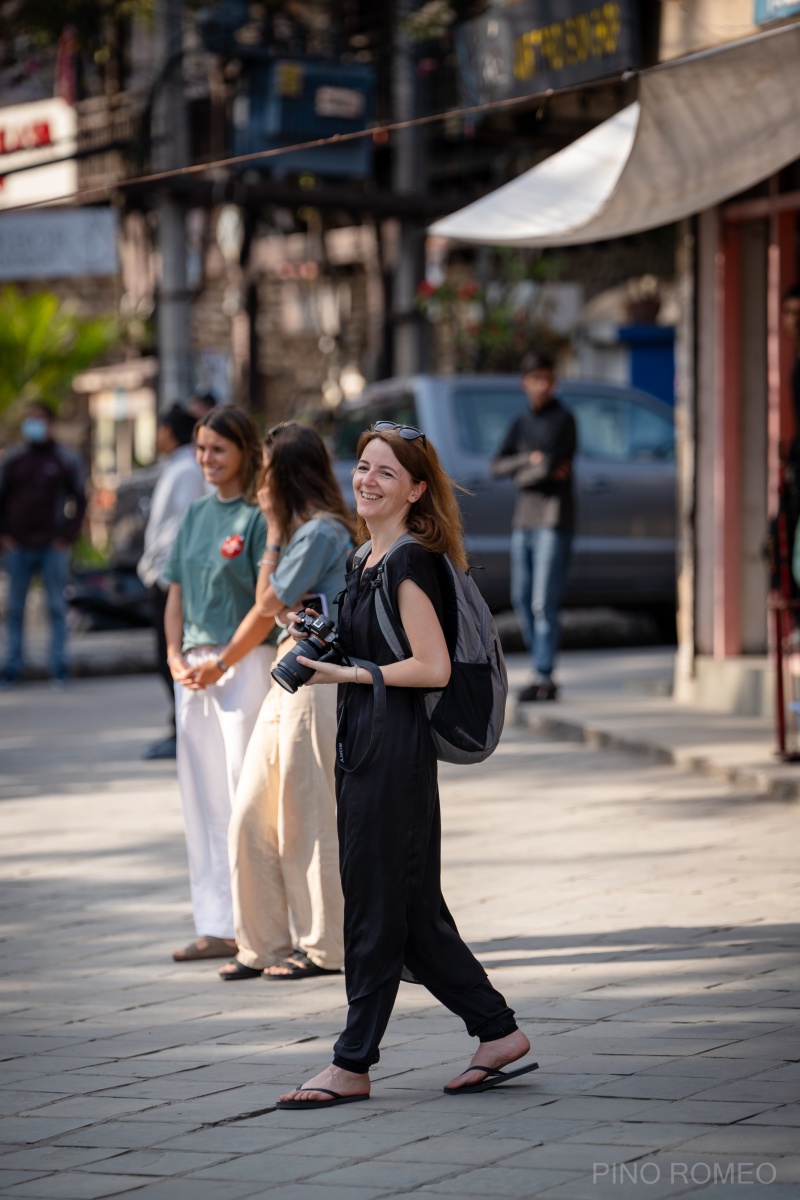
(409, 433)
(271, 434)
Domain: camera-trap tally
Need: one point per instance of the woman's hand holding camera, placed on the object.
(324, 672)
(294, 622)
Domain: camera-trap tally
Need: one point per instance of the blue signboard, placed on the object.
(525, 48)
(775, 10)
(284, 102)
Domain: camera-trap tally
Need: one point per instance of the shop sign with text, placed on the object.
(775, 10)
(40, 132)
(525, 48)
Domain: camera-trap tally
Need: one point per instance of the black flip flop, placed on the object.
(240, 972)
(336, 1098)
(305, 969)
(496, 1078)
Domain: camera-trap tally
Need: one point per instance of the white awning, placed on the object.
(704, 128)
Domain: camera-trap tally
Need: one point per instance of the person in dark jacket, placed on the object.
(537, 453)
(42, 505)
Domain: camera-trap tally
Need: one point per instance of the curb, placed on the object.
(769, 786)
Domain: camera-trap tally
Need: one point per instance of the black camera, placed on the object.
(321, 644)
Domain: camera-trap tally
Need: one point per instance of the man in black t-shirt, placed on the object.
(537, 453)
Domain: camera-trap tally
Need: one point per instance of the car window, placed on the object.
(651, 434)
(400, 408)
(621, 428)
(484, 414)
(602, 426)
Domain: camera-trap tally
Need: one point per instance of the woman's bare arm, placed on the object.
(173, 628)
(429, 665)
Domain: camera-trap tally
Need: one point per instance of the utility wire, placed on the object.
(102, 191)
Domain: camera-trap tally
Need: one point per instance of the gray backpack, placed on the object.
(467, 714)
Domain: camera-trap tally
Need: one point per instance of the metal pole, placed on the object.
(407, 177)
(171, 149)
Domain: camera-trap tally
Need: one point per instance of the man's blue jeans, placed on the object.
(53, 566)
(539, 562)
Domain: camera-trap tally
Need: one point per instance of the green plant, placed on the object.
(43, 346)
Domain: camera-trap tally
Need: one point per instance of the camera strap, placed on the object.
(378, 717)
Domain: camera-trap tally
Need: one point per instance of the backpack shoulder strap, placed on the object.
(388, 617)
(361, 553)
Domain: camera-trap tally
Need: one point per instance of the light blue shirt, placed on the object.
(313, 562)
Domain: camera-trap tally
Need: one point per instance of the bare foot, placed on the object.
(493, 1054)
(346, 1083)
(206, 947)
(285, 966)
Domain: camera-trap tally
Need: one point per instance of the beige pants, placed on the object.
(282, 841)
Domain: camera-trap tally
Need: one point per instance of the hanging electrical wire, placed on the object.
(103, 191)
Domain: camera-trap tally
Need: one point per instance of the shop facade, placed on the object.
(711, 144)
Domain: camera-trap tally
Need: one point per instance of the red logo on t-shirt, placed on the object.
(233, 546)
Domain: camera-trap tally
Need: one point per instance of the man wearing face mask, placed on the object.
(42, 505)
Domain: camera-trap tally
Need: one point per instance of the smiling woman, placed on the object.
(220, 665)
(396, 922)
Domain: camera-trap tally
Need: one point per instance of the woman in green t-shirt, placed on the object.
(219, 686)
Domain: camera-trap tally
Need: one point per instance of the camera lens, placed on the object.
(319, 644)
(289, 673)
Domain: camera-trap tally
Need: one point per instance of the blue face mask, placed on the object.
(34, 430)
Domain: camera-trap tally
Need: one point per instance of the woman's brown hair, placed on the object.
(301, 477)
(238, 426)
(435, 518)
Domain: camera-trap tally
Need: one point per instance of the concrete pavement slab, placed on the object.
(198, 1189)
(10, 1179)
(273, 1166)
(53, 1158)
(648, 1087)
(71, 1185)
(789, 1114)
(311, 1191)
(653, 1135)
(33, 1129)
(124, 1135)
(387, 1175)
(156, 1162)
(743, 1139)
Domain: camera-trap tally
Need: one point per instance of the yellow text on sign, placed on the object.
(579, 39)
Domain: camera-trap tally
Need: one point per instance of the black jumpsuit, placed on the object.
(390, 844)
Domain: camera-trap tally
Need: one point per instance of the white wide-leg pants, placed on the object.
(213, 728)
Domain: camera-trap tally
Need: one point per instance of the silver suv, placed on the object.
(624, 552)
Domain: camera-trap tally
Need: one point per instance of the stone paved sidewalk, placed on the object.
(642, 921)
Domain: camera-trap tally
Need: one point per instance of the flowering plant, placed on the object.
(433, 20)
(486, 329)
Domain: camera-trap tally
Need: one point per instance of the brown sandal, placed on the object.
(216, 948)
